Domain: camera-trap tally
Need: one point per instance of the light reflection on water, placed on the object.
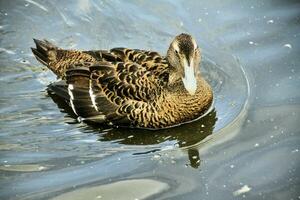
(245, 141)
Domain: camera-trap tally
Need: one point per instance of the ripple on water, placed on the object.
(147, 188)
(38, 137)
(23, 168)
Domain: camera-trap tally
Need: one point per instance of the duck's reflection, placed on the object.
(185, 136)
(194, 157)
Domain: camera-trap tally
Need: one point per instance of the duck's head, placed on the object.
(184, 58)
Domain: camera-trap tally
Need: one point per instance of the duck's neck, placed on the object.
(176, 85)
(185, 106)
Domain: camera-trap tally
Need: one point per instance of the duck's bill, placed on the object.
(189, 80)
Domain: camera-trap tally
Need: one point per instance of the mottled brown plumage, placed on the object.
(130, 87)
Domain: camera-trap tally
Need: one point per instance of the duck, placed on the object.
(130, 87)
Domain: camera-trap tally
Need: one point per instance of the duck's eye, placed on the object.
(176, 52)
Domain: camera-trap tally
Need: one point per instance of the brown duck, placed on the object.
(130, 87)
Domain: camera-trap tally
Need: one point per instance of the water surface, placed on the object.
(247, 147)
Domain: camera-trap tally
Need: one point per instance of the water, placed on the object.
(246, 148)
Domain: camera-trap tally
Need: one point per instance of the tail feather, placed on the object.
(41, 52)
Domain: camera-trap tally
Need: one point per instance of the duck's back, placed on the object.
(60, 60)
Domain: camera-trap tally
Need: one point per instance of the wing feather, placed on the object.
(115, 85)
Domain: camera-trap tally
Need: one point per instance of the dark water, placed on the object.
(246, 148)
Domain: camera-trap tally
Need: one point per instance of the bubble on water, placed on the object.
(232, 104)
(242, 190)
(277, 84)
(288, 46)
(24, 61)
(250, 42)
(181, 24)
(256, 145)
(296, 150)
(271, 21)
(40, 168)
(199, 20)
(232, 166)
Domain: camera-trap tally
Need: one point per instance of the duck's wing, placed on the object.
(150, 60)
(109, 92)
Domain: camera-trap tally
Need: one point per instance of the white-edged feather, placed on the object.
(70, 88)
(93, 97)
